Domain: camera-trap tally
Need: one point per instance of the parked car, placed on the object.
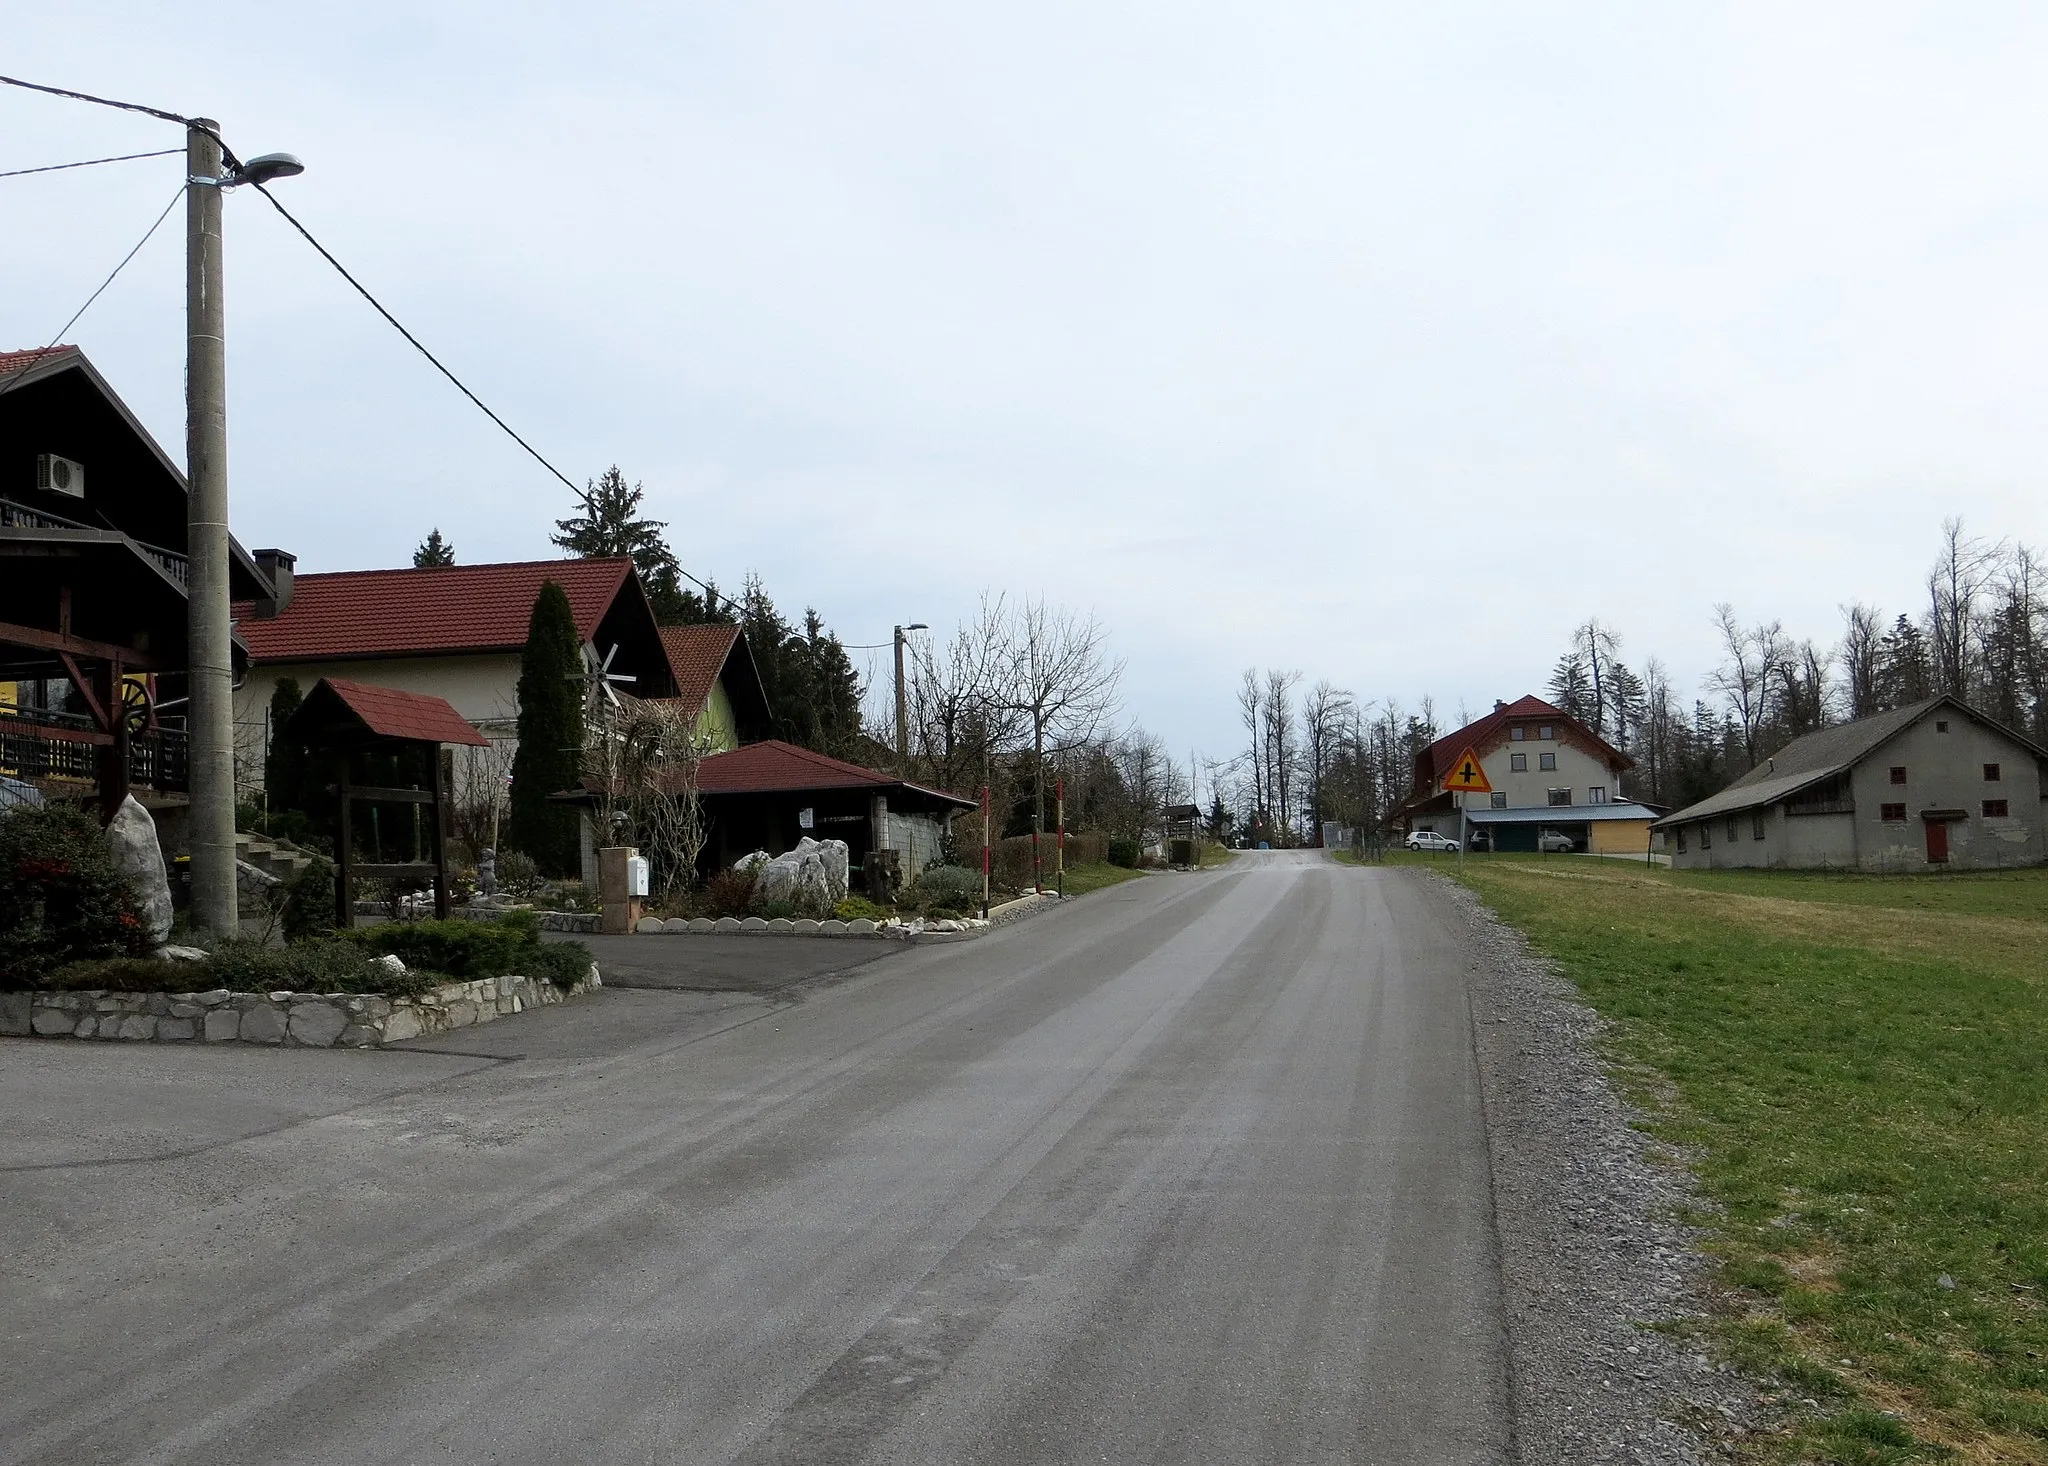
(1480, 840)
(1431, 840)
(1554, 842)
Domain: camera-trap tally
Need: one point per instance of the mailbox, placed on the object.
(636, 876)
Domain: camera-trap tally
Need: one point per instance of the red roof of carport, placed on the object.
(389, 713)
(453, 608)
(775, 767)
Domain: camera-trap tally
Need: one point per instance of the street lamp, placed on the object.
(209, 650)
(902, 702)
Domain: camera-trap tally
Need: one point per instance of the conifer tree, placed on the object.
(433, 552)
(287, 775)
(550, 755)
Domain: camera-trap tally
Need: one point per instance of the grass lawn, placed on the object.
(1081, 879)
(1859, 1067)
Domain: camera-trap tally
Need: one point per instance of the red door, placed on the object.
(1937, 842)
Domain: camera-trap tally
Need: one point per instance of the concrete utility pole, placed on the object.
(209, 653)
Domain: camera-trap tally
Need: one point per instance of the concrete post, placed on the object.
(211, 712)
(618, 911)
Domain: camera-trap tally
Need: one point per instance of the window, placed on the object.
(1734, 828)
(1756, 825)
(1681, 839)
(1941, 725)
(1544, 732)
(1517, 733)
(1991, 773)
(1546, 760)
(1898, 774)
(1892, 813)
(1560, 796)
(1994, 809)
(1597, 794)
(1518, 763)
(1706, 834)
(1499, 799)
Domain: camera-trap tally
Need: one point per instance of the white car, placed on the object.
(1431, 840)
(1552, 842)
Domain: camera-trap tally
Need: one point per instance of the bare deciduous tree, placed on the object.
(641, 760)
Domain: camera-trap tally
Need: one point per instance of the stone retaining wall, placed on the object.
(294, 1020)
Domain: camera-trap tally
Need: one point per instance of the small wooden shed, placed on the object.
(384, 748)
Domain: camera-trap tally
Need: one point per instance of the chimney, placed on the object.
(276, 566)
(1499, 706)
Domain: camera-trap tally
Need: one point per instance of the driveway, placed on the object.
(1191, 1170)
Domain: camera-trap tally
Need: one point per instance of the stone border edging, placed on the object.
(948, 930)
(291, 1020)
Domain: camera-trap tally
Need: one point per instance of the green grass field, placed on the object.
(1081, 879)
(1858, 1067)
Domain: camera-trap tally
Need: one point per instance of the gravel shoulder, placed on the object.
(1593, 1254)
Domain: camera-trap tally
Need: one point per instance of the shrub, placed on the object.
(946, 888)
(463, 949)
(517, 874)
(61, 899)
(1125, 853)
(562, 963)
(730, 893)
(332, 965)
(859, 908)
(309, 903)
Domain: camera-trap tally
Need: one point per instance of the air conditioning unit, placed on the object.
(60, 475)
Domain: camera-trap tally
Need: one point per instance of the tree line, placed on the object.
(1980, 633)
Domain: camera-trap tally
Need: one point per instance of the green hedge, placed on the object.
(249, 967)
(509, 946)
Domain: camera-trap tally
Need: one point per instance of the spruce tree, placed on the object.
(433, 552)
(550, 755)
(287, 773)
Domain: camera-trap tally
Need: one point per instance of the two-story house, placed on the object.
(1549, 772)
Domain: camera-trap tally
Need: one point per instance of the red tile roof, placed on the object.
(389, 713)
(456, 608)
(696, 655)
(14, 361)
(775, 767)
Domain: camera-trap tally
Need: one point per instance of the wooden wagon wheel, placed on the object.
(136, 707)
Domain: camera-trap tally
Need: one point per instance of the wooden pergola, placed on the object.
(363, 733)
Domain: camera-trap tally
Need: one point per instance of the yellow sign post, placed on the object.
(1466, 776)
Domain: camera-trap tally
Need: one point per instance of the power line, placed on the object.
(65, 329)
(88, 163)
(234, 165)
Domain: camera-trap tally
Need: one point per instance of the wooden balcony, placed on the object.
(37, 745)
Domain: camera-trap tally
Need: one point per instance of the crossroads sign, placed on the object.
(1466, 775)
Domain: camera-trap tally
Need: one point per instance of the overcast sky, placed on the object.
(1381, 342)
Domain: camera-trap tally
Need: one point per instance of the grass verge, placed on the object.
(1859, 1067)
(1082, 879)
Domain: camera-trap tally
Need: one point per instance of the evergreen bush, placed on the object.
(1125, 853)
(550, 756)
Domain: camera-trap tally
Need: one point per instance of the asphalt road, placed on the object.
(1192, 1170)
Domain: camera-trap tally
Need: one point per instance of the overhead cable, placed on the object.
(89, 163)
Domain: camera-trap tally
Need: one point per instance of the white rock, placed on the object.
(392, 963)
(182, 954)
(140, 859)
(316, 1025)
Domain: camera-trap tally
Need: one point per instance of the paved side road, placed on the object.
(1194, 1171)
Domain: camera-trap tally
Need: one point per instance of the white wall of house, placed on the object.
(1577, 771)
(484, 688)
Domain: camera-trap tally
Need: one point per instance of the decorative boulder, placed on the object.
(837, 862)
(752, 862)
(140, 859)
(805, 876)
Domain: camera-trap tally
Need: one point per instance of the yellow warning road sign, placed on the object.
(1467, 775)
